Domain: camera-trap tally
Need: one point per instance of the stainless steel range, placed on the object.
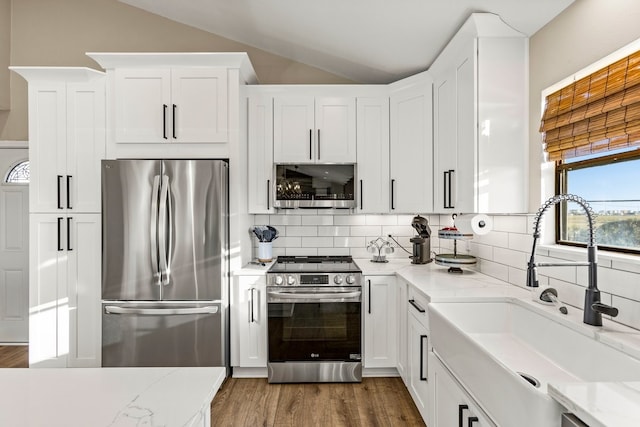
(314, 322)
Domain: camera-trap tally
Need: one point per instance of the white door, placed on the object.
(335, 130)
(14, 251)
(293, 130)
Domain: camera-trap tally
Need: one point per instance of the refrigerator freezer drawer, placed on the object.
(163, 334)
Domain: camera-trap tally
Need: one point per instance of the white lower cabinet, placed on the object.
(450, 405)
(417, 380)
(401, 340)
(64, 290)
(380, 317)
(249, 322)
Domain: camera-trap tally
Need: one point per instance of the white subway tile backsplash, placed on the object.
(502, 253)
(317, 220)
(334, 230)
(381, 219)
(295, 230)
(350, 242)
(276, 220)
(510, 257)
(628, 311)
(316, 242)
(511, 224)
(366, 230)
(349, 220)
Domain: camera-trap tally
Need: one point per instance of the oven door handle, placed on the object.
(320, 296)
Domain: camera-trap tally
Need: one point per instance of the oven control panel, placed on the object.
(322, 279)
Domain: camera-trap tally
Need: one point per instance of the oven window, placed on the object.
(314, 331)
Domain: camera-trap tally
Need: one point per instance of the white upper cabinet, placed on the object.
(373, 155)
(411, 153)
(314, 130)
(66, 138)
(480, 119)
(260, 158)
(171, 105)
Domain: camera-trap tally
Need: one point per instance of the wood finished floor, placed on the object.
(253, 402)
(374, 402)
(14, 356)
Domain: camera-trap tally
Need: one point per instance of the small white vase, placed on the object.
(265, 251)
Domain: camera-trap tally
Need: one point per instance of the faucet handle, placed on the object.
(605, 309)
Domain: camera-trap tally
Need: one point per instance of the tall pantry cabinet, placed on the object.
(66, 144)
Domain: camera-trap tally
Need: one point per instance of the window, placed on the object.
(19, 174)
(591, 129)
(611, 186)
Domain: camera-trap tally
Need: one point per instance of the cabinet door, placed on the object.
(445, 146)
(260, 155)
(335, 122)
(47, 147)
(466, 180)
(380, 322)
(85, 122)
(293, 130)
(373, 155)
(142, 105)
(402, 330)
(198, 105)
(48, 310)
(83, 250)
(450, 406)
(411, 157)
(251, 321)
(418, 350)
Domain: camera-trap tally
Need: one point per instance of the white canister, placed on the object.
(265, 251)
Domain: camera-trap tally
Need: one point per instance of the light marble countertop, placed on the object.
(600, 404)
(114, 397)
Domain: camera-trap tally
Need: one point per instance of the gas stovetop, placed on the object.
(314, 264)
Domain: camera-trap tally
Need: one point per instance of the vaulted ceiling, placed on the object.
(368, 41)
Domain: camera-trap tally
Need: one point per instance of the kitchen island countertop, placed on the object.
(114, 397)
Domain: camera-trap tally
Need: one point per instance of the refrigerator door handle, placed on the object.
(113, 309)
(153, 229)
(162, 230)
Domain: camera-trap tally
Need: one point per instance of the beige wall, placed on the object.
(5, 37)
(58, 33)
(585, 32)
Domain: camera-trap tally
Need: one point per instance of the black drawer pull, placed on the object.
(417, 306)
(461, 409)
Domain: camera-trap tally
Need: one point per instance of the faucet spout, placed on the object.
(593, 308)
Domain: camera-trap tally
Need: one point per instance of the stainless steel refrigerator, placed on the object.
(165, 263)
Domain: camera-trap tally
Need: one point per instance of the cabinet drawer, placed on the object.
(417, 304)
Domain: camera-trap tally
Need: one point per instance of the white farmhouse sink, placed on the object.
(486, 345)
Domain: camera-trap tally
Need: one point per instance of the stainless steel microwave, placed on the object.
(315, 186)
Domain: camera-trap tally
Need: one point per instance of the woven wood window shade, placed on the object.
(597, 113)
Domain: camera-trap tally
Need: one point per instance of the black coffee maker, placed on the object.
(421, 242)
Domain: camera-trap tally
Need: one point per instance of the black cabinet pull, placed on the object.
(318, 144)
(253, 319)
(60, 248)
(174, 121)
(268, 191)
(461, 409)
(416, 306)
(444, 189)
(361, 205)
(310, 144)
(164, 120)
(69, 192)
(423, 377)
(393, 182)
(451, 172)
(69, 248)
(59, 187)
(471, 421)
(369, 281)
